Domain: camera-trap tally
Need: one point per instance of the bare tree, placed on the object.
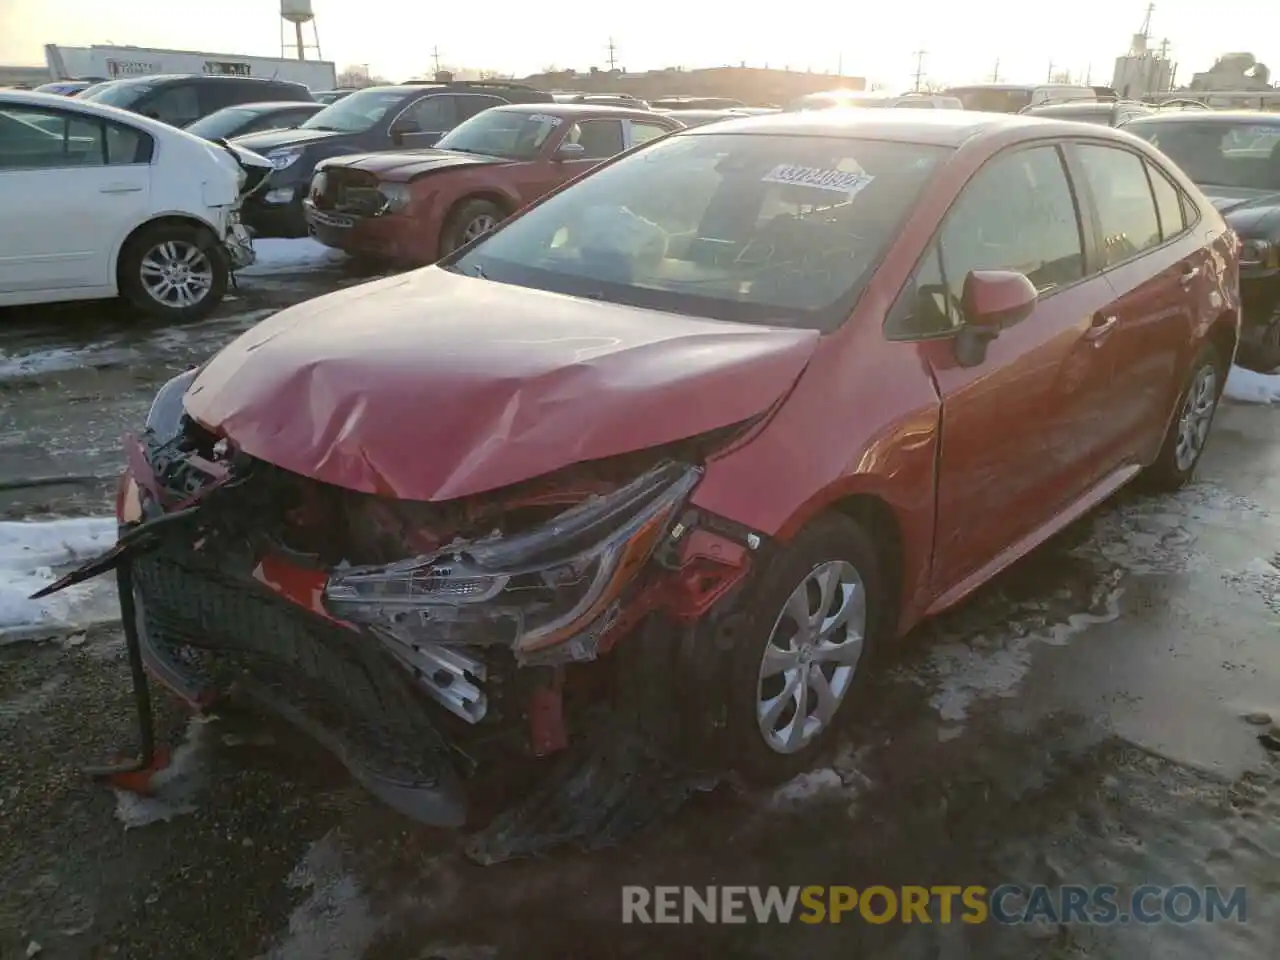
(358, 75)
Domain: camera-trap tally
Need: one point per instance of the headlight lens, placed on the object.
(281, 159)
(397, 196)
(1259, 253)
(531, 590)
(165, 416)
(318, 182)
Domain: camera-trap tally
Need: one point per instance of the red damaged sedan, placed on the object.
(686, 441)
(412, 207)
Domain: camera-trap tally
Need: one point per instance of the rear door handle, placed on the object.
(120, 188)
(1101, 325)
(1189, 274)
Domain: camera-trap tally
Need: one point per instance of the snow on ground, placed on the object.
(289, 256)
(1249, 387)
(29, 554)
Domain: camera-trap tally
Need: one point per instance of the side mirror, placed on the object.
(991, 301)
(570, 151)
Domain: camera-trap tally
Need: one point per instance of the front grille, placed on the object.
(341, 681)
(349, 191)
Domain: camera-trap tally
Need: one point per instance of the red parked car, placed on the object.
(415, 206)
(701, 430)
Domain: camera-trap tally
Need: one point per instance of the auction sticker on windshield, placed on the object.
(837, 181)
(544, 118)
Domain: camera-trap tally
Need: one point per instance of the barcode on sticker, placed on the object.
(841, 181)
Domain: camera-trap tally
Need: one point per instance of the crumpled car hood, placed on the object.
(403, 166)
(431, 385)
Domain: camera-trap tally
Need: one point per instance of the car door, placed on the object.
(424, 121)
(1011, 455)
(1156, 268)
(67, 206)
(599, 139)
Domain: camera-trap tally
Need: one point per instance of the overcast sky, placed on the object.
(395, 37)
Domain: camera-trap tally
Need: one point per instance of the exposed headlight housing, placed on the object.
(397, 196)
(282, 159)
(1257, 254)
(556, 583)
(165, 416)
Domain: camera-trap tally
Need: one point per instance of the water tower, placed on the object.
(299, 13)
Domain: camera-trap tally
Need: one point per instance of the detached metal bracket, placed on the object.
(146, 757)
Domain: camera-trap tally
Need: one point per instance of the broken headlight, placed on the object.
(530, 590)
(164, 418)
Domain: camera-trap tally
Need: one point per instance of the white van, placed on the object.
(1012, 97)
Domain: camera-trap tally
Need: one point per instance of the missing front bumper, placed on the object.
(201, 632)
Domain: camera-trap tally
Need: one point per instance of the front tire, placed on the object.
(1189, 432)
(472, 219)
(174, 272)
(815, 618)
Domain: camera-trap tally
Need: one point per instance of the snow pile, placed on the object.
(29, 553)
(1249, 387)
(289, 256)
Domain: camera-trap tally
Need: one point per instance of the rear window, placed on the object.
(1240, 155)
(769, 229)
(992, 100)
(121, 93)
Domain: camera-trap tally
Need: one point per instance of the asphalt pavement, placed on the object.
(1096, 716)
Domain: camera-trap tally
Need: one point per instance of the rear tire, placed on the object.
(471, 219)
(796, 631)
(1193, 418)
(174, 272)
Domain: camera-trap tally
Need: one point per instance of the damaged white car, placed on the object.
(100, 203)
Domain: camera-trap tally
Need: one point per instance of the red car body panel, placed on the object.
(440, 180)
(503, 385)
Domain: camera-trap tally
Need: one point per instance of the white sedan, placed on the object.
(96, 202)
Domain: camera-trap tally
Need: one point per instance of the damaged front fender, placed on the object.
(559, 583)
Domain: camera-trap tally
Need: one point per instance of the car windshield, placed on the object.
(1243, 155)
(754, 228)
(119, 93)
(358, 112)
(222, 123)
(512, 134)
(991, 100)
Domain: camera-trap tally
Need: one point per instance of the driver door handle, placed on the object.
(1101, 325)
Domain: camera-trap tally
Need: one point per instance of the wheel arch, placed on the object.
(882, 525)
(160, 220)
(1224, 334)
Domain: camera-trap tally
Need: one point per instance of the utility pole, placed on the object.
(1049, 77)
(435, 58)
(920, 54)
(1088, 74)
(613, 60)
(840, 65)
(995, 74)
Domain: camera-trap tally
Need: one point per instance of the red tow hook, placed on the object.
(546, 713)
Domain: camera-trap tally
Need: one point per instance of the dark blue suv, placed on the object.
(408, 116)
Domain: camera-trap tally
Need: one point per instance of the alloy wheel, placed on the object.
(177, 273)
(1195, 417)
(812, 654)
(478, 227)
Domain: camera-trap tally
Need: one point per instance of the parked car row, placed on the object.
(627, 480)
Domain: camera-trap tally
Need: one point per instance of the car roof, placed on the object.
(581, 109)
(1077, 106)
(57, 101)
(949, 128)
(1259, 117)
